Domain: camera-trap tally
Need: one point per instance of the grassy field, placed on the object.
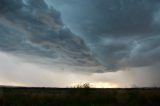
(12, 96)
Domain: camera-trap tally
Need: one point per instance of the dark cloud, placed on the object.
(146, 52)
(112, 16)
(124, 17)
(30, 27)
(120, 32)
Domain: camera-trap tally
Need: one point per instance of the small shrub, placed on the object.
(85, 85)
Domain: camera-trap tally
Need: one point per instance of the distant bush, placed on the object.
(85, 85)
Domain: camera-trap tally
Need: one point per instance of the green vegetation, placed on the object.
(79, 97)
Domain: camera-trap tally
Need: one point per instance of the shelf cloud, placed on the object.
(119, 32)
(31, 28)
(90, 37)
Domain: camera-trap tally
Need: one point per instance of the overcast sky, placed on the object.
(60, 43)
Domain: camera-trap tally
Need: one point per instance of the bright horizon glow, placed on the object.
(104, 85)
(92, 85)
(36, 75)
(12, 83)
(98, 85)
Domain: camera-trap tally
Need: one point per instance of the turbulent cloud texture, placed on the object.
(120, 32)
(28, 27)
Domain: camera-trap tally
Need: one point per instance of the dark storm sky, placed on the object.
(119, 32)
(88, 35)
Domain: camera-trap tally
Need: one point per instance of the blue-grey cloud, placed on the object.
(119, 32)
(29, 27)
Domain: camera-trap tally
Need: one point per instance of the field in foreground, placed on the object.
(12, 96)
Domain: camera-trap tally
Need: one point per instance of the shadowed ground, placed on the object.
(12, 96)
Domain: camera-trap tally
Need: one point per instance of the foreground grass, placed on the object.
(79, 97)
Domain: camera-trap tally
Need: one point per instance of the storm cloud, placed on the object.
(119, 32)
(29, 28)
(114, 42)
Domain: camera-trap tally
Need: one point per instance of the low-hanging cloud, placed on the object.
(18, 72)
(28, 27)
(119, 32)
